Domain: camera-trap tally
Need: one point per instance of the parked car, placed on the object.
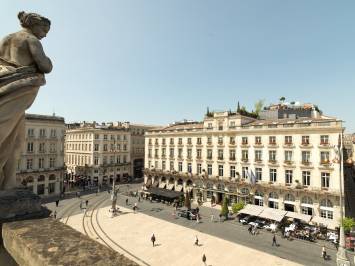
(247, 219)
(188, 214)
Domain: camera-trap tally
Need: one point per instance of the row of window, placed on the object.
(288, 140)
(41, 147)
(42, 133)
(41, 163)
(247, 173)
(80, 136)
(258, 155)
(82, 160)
(87, 147)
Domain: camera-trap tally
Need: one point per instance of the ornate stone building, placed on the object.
(286, 164)
(41, 165)
(104, 152)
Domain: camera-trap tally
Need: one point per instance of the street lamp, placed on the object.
(342, 259)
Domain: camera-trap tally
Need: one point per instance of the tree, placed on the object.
(236, 207)
(225, 209)
(187, 201)
(238, 107)
(348, 224)
(259, 106)
(282, 99)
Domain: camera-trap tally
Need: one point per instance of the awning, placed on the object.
(253, 210)
(164, 193)
(178, 188)
(273, 214)
(331, 224)
(170, 186)
(304, 217)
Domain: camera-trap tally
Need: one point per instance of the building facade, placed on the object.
(286, 164)
(105, 152)
(41, 164)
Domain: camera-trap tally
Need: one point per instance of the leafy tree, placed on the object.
(282, 99)
(348, 223)
(236, 207)
(225, 210)
(259, 106)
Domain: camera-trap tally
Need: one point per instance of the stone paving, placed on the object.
(175, 243)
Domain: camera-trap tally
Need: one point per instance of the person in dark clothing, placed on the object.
(274, 240)
(153, 239)
(126, 201)
(197, 209)
(57, 203)
(55, 215)
(250, 229)
(204, 259)
(86, 202)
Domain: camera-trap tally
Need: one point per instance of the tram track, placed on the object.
(96, 231)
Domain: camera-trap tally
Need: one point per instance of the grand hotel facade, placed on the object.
(292, 159)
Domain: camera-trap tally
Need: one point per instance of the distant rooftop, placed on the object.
(44, 117)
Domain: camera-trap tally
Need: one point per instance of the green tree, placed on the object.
(348, 223)
(259, 106)
(282, 99)
(238, 107)
(236, 207)
(225, 210)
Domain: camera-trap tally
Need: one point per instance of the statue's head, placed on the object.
(37, 24)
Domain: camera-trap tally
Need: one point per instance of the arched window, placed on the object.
(326, 203)
(273, 195)
(259, 194)
(289, 197)
(163, 179)
(180, 182)
(307, 200)
(220, 187)
(244, 191)
(52, 177)
(171, 180)
(189, 183)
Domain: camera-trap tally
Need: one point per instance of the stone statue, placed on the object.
(22, 67)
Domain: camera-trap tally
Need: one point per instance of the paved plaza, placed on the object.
(175, 243)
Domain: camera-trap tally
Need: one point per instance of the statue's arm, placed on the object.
(43, 63)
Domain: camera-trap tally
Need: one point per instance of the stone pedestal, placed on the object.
(20, 204)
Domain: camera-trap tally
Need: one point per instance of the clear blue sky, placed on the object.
(161, 61)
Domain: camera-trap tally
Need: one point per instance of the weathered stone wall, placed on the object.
(49, 242)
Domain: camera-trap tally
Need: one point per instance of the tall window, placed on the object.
(209, 169)
(232, 155)
(325, 178)
(220, 170)
(29, 164)
(232, 171)
(220, 140)
(244, 140)
(199, 141)
(42, 133)
(171, 152)
(180, 166)
(96, 160)
(96, 147)
(245, 172)
(198, 153)
(171, 166)
(171, 141)
(163, 165)
(189, 141)
(209, 154)
(209, 140)
(288, 156)
(179, 152)
(272, 156)
(258, 173)
(306, 178)
(245, 155)
(306, 156)
(220, 154)
(189, 168)
(258, 155)
(180, 141)
(30, 132)
(30, 147)
(324, 139)
(232, 140)
(41, 163)
(273, 175)
(324, 157)
(272, 140)
(257, 140)
(53, 133)
(288, 176)
(189, 153)
(288, 140)
(52, 162)
(305, 140)
(163, 151)
(199, 168)
(326, 209)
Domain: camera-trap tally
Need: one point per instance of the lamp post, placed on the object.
(342, 259)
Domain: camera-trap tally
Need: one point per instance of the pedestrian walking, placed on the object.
(126, 201)
(220, 217)
(204, 259)
(86, 202)
(57, 203)
(212, 218)
(324, 253)
(197, 210)
(139, 198)
(81, 205)
(196, 240)
(197, 218)
(55, 215)
(250, 229)
(153, 239)
(274, 240)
